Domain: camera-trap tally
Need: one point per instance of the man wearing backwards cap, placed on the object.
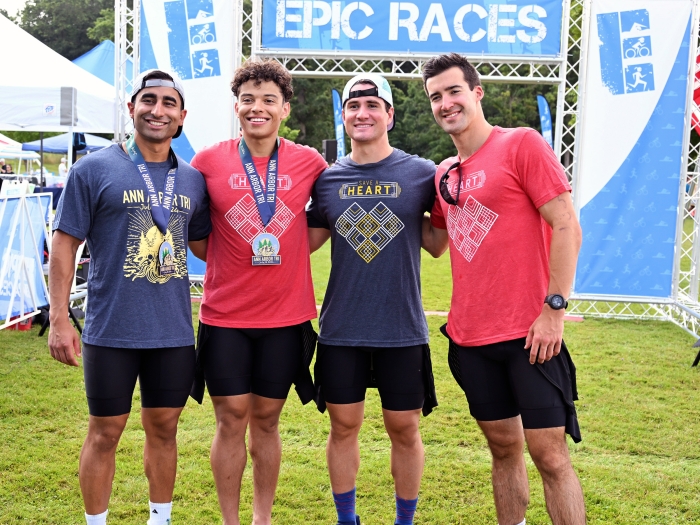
(138, 206)
(373, 329)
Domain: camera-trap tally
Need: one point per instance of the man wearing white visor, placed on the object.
(373, 332)
(138, 206)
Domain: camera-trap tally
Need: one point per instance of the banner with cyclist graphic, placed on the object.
(631, 161)
(193, 39)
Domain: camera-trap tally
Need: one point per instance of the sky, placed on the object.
(12, 6)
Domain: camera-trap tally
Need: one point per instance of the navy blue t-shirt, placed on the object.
(375, 213)
(130, 305)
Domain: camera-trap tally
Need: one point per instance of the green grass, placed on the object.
(639, 461)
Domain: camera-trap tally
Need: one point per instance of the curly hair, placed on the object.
(264, 71)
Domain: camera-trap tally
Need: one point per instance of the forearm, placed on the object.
(61, 272)
(433, 240)
(564, 248)
(317, 238)
(199, 248)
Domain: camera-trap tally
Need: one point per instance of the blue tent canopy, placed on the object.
(100, 62)
(59, 144)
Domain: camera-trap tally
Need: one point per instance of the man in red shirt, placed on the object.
(258, 294)
(504, 206)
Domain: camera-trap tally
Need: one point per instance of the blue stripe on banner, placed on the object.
(147, 58)
(545, 120)
(630, 226)
(610, 55)
(182, 147)
(338, 123)
(178, 38)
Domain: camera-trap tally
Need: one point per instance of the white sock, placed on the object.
(96, 519)
(159, 513)
(521, 523)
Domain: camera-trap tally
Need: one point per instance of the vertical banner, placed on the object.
(338, 122)
(194, 40)
(545, 120)
(631, 160)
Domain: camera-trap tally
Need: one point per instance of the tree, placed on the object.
(103, 28)
(63, 24)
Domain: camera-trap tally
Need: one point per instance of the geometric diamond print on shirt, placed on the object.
(468, 226)
(245, 219)
(368, 233)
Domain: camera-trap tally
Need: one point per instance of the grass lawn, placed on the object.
(639, 461)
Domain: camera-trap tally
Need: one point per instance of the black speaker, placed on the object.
(330, 150)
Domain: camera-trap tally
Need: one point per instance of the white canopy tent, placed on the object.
(43, 91)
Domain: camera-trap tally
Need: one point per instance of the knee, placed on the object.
(104, 438)
(232, 421)
(551, 463)
(504, 448)
(404, 435)
(343, 429)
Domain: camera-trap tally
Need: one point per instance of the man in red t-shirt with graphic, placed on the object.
(504, 206)
(255, 337)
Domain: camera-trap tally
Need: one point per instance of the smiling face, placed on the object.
(157, 113)
(261, 109)
(366, 118)
(455, 106)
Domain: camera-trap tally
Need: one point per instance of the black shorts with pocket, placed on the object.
(262, 361)
(347, 372)
(500, 383)
(165, 377)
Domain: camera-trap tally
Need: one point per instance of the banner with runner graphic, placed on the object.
(631, 146)
(193, 39)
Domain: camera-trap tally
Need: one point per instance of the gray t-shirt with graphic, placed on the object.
(130, 305)
(374, 213)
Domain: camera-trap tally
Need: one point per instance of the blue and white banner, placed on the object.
(545, 120)
(22, 234)
(631, 156)
(475, 27)
(194, 40)
(338, 123)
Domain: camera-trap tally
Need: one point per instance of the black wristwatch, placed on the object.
(556, 302)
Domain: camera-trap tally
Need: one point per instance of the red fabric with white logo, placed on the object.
(499, 243)
(236, 293)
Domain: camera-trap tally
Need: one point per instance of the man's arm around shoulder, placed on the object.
(433, 240)
(64, 341)
(317, 238)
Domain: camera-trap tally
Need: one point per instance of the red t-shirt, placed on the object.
(499, 242)
(236, 293)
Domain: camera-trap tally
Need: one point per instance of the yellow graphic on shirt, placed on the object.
(143, 241)
(368, 232)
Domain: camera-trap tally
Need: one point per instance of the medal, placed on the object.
(265, 245)
(265, 250)
(166, 260)
(160, 212)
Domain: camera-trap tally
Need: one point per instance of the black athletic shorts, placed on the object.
(264, 361)
(347, 371)
(500, 383)
(165, 376)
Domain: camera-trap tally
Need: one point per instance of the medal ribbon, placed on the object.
(159, 211)
(265, 196)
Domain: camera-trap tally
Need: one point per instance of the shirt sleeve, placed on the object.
(75, 210)
(200, 224)
(437, 218)
(541, 174)
(314, 217)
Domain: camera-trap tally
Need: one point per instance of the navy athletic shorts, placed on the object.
(262, 361)
(165, 377)
(500, 383)
(347, 371)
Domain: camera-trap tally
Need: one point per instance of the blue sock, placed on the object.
(405, 510)
(345, 507)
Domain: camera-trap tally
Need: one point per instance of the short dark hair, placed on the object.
(159, 75)
(264, 71)
(442, 63)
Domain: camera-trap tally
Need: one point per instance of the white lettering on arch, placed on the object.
(461, 14)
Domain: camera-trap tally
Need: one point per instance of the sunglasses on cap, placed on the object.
(445, 190)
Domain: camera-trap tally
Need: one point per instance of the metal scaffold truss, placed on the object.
(683, 309)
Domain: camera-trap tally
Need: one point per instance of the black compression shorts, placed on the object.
(264, 361)
(500, 383)
(165, 376)
(347, 371)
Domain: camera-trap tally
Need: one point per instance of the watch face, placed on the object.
(557, 302)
